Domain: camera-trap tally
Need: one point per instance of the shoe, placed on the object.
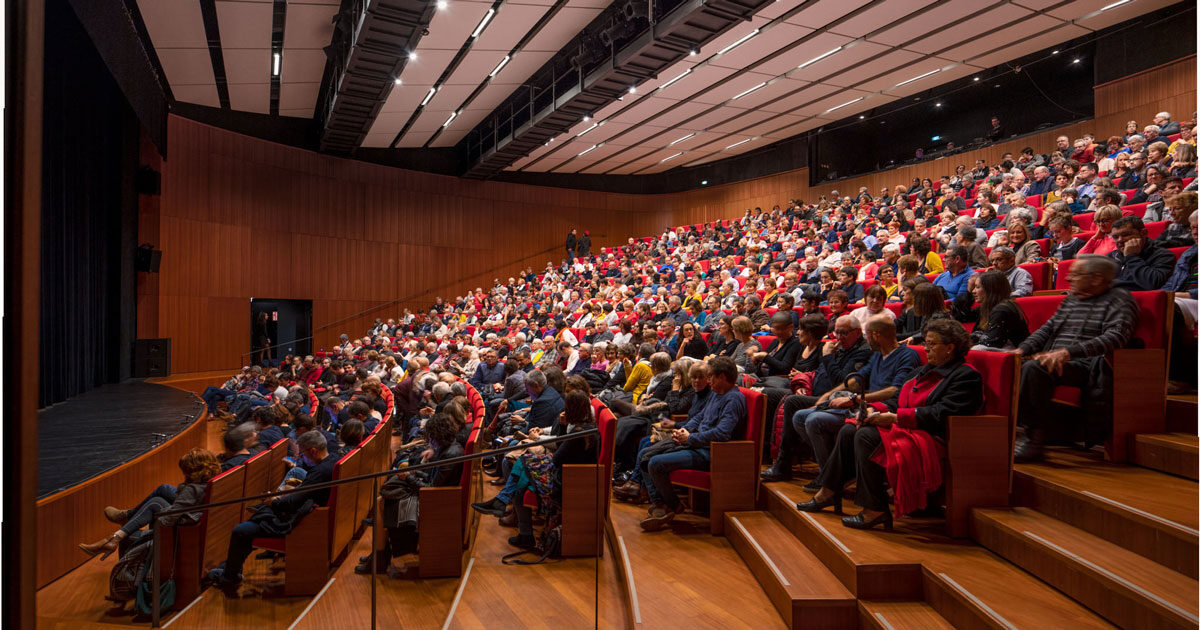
(497, 482)
(622, 477)
(117, 516)
(858, 522)
(628, 490)
(659, 518)
(777, 473)
(523, 541)
(509, 519)
(493, 506)
(813, 505)
(381, 566)
(268, 555)
(1027, 450)
(105, 547)
(812, 486)
(217, 578)
(369, 521)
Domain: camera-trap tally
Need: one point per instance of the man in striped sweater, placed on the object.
(1092, 321)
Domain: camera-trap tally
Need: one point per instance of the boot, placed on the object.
(383, 560)
(493, 506)
(117, 516)
(509, 519)
(105, 547)
(1029, 447)
(780, 471)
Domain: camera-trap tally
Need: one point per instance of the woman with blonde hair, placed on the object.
(1101, 243)
(197, 466)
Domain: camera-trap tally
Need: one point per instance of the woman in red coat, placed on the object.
(903, 450)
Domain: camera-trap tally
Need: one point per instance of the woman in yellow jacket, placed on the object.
(640, 373)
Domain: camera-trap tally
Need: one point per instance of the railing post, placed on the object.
(374, 542)
(155, 574)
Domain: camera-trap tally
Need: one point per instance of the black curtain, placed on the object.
(89, 216)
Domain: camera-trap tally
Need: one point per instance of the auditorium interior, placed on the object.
(643, 314)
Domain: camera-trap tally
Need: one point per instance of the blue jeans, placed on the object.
(822, 428)
(516, 482)
(637, 470)
(660, 468)
(239, 547)
(214, 395)
(155, 502)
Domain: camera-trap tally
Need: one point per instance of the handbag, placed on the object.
(144, 599)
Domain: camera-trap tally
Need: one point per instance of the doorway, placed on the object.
(288, 326)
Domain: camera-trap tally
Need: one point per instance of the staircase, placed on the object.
(820, 574)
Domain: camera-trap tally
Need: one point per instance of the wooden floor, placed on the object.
(683, 577)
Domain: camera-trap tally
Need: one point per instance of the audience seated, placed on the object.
(1069, 349)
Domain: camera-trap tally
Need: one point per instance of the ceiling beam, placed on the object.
(689, 26)
(367, 56)
(212, 33)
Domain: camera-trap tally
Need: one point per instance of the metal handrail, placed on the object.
(155, 527)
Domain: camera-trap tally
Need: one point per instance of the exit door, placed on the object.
(288, 325)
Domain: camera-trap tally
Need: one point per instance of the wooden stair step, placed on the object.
(1145, 511)
(1124, 587)
(968, 585)
(1181, 414)
(888, 615)
(1173, 453)
(804, 592)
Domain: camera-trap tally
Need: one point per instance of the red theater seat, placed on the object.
(732, 478)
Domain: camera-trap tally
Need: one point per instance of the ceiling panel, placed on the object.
(451, 26)
(921, 25)
(777, 9)
(414, 139)
(200, 94)
(1019, 30)
(301, 66)
(427, 67)
(747, 118)
(793, 129)
(508, 26)
(731, 88)
(244, 24)
(634, 135)
(911, 70)
(768, 125)
(897, 58)
(642, 109)
(293, 96)
(573, 162)
(847, 59)
(761, 45)
(715, 117)
(250, 97)
(1097, 21)
(475, 67)
(806, 94)
(965, 31)
(683, 140)
(565, 25)
(378, 140)
(680, 112)
(173, 23)
(449, 97)
(249, 65)
(697, 80)
(1032, 45)
(819, 107)
(825, 11)
(600, 134)
(187, 66)
(878, 17)
(308, 25)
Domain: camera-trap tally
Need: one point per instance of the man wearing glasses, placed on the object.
(1094, 319)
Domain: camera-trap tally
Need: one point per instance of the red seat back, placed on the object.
(1000, 378)
(1041, 274)
(1153, 310)
(1040, 308)
(752, 429)
(1156, 228)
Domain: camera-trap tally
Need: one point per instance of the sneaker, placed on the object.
(658, 518)
(493, 506)
(523, 541)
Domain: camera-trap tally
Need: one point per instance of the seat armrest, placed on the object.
(978, 467)
(440, 524)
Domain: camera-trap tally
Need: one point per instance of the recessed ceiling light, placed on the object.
(836, 107)
(397, 80)
(1075, 60)
(693, 52)
(500, 66)
(441, 5)
(763, 84)
(412, 56)
(633, 89)
(586, 118)
(975, 79)
(681, 75)
(1054, 52)
(860, 117)
(276, 62)
(670, 157)
(937, 104)
(675, 142)
(819, 57)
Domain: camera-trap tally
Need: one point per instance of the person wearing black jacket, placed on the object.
(1144, 264)
(999, 323)
(319, 462)
(583, 247)
(401, 492)
(780, 356)
(847, 354)
(571, 243)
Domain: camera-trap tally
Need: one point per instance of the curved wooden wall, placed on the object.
(76, 515)
(241, 217)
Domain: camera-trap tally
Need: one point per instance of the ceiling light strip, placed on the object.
(593, 148)
(740, 142)
(670, 157)
(449, 120)
(918, 78)
(483, 23)
(738, 42)
(433, 90)
(681, 75)
(844, 104)
(690, 135)
(594, 125)
(760, 85)
(1115, 5)
(500, 66)
(818, 58)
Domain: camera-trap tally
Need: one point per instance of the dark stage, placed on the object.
(105, 427)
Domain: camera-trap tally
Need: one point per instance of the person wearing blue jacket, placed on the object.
(723, 411)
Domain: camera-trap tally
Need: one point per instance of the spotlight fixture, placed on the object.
(1076, 60)
(1054, 52)
(397, 81)
(633, 89)
(277, 60)
(937, 104)
(693, 52)
(412, 56)
(586, 118)
(860, 117)
(975, 79)
(441, 5)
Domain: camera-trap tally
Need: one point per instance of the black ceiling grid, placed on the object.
(437, 85)
(537, 28)
(935, 53)
(366, 62)
(689, 26)
(1043, 10)
(717, 84)
(278, 19)
(212, 33)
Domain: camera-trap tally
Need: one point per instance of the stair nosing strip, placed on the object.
(978, 602)
(884, 622)
(1143, 513)
(1112, 576)
(828, 534)
(762, 552)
